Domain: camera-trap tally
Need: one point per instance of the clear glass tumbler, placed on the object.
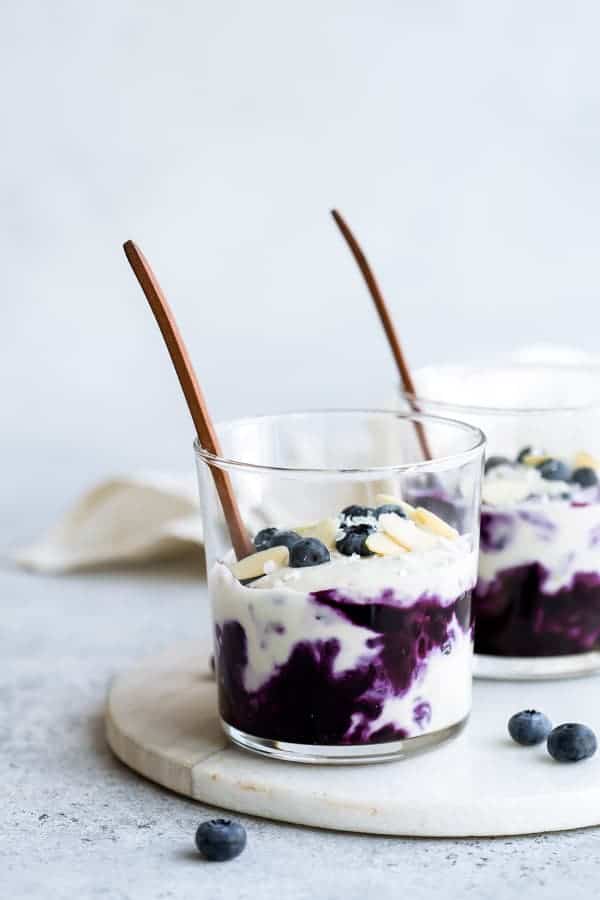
(537, 600)
(347, 636)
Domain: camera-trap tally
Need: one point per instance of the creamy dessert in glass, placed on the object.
(537, 600)
(346, 637)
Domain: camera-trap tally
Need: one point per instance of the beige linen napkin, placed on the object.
(131, 519)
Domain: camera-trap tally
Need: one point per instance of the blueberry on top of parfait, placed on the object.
(284, 539)
(355, 541)
(390, 508)
(584, 476)
(263, 539)
(524, 453)
(494, 461)
(308, 552)
(357, 512)
(554, 470)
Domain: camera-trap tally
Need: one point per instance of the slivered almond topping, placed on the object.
(533, 459)
(585, 460)
(433, 523)
(405, 532)
(260, 563)
(382, 545)
(324, 531)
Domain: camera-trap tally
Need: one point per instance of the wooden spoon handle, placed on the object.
(192, 392)
(386, 321)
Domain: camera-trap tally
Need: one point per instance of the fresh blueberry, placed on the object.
(571, 742)
(263, 540)
(357, 512)
(354, 541)
(554, 470)
(308, 552)
(529, 727)
(526, 451)
(584, 477)
(493, 461)
(285, 539)
(220, 839)
(390, 508)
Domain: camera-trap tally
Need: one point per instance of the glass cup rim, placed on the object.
(458, 458)
(443, 407)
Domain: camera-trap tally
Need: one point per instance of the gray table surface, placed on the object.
(76, 823)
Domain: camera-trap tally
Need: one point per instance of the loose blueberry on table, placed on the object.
(220, 840)
(529, 727)
(571, 742)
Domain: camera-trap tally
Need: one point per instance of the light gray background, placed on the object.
(462, 142)
(460, 139)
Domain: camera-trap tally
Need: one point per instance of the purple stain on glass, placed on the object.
(544, 528)
(497, 530)
(422, 713)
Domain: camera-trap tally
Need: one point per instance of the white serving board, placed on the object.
(161, 721)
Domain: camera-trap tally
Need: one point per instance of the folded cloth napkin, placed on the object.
(151, 516)
(131, 519)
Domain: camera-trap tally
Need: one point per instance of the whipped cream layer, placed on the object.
(386, 640)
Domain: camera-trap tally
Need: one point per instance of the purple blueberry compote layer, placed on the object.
(538, 590)
(310, 699)
(516, 617)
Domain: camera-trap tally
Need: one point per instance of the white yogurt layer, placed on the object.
(446, 571)
(277, 611)
(546, 529)
(506, 485)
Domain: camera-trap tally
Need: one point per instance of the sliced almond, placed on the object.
(261, 563)
(405, 532)
(325, 531)
(384, 499)
(585, 460)
(534, 459)
(433, 523)
(382, 545)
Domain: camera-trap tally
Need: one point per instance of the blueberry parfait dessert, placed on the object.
(351, 632)
(538, 592)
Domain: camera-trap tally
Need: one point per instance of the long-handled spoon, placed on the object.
(192, 392)
(386, 321)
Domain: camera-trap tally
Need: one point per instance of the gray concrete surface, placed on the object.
(78, 824)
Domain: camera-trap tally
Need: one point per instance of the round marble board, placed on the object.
(161, 721)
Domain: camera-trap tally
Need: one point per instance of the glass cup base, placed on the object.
(535, 668)
(342, 755)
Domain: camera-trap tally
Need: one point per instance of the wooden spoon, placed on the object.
(386, 321)
(205, 430)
